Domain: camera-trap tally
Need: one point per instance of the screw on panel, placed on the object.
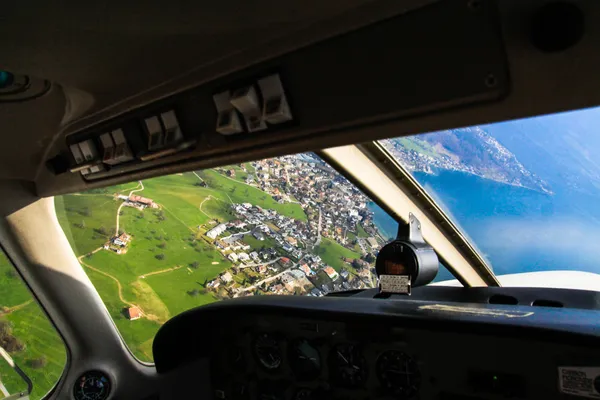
(491, 81)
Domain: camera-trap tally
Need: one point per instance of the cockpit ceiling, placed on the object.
(107, 59)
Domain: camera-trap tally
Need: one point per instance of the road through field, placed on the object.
(12, 309)
(162, 271)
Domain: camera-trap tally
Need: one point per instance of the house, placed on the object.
(122, 240)
(216, 231)
(233, 257)
(143, 201)
(243, 257)
(258, 235)
(292, 241)
(261, 269)
(254, 256)
(134, 313)
(238, 224)
(226, 277)
(223, 245)
(287, 247)
(306, 269)
(344, 273)
(373, 242)
(277, 288)
(316, 292)
(231, 173)
(331, 273)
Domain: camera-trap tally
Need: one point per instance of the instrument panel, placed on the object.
(297, 359)
(299, 353)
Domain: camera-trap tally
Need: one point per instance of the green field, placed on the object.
(360, 231)
(332, 252)
(241, 193)
(83, 215)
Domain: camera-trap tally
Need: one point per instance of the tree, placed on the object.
(102, 230)
(194, 292)
(195, 264)
(7, 340)
(161, 245)
(160, 256)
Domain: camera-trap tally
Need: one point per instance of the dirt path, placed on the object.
(119, 286)
(122, 204)
(162, 271)
(9, 310)
(209, 197)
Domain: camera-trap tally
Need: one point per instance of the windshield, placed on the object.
(526, 192)
(289, 225)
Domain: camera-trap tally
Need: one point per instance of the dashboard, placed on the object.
(297, 348)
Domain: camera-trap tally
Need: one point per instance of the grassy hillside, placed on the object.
(331, 253)
(82, 216)
(240, 193)
(165, 245)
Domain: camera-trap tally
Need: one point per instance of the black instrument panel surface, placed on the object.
(295, 348)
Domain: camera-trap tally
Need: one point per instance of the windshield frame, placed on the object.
(387, 165)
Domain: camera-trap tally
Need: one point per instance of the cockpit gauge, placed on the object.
(398, 373)
(93, 385)
(268, 351)
(304, 359)
(347, 366)
(407, 261)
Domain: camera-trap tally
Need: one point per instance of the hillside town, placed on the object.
(285, 255)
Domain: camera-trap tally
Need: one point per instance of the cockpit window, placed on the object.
(526, 192)
(289, 225)
(28, 337)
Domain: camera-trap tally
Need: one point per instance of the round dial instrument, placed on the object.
(305, 360)
(398, 373)
(93, 385)
(347, 365)
(267, 351)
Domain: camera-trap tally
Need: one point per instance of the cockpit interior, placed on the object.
(300, 200)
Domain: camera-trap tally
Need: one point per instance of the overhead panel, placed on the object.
(448, 54)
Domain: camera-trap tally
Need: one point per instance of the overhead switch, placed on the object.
(122, 150)
(155, 133)
(108, 148)
(228, 121)
(246, 101)
(172, 131)
(88, 150)
(275, 105)
(77, 156)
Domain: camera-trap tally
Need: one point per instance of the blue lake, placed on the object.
(516, 229)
